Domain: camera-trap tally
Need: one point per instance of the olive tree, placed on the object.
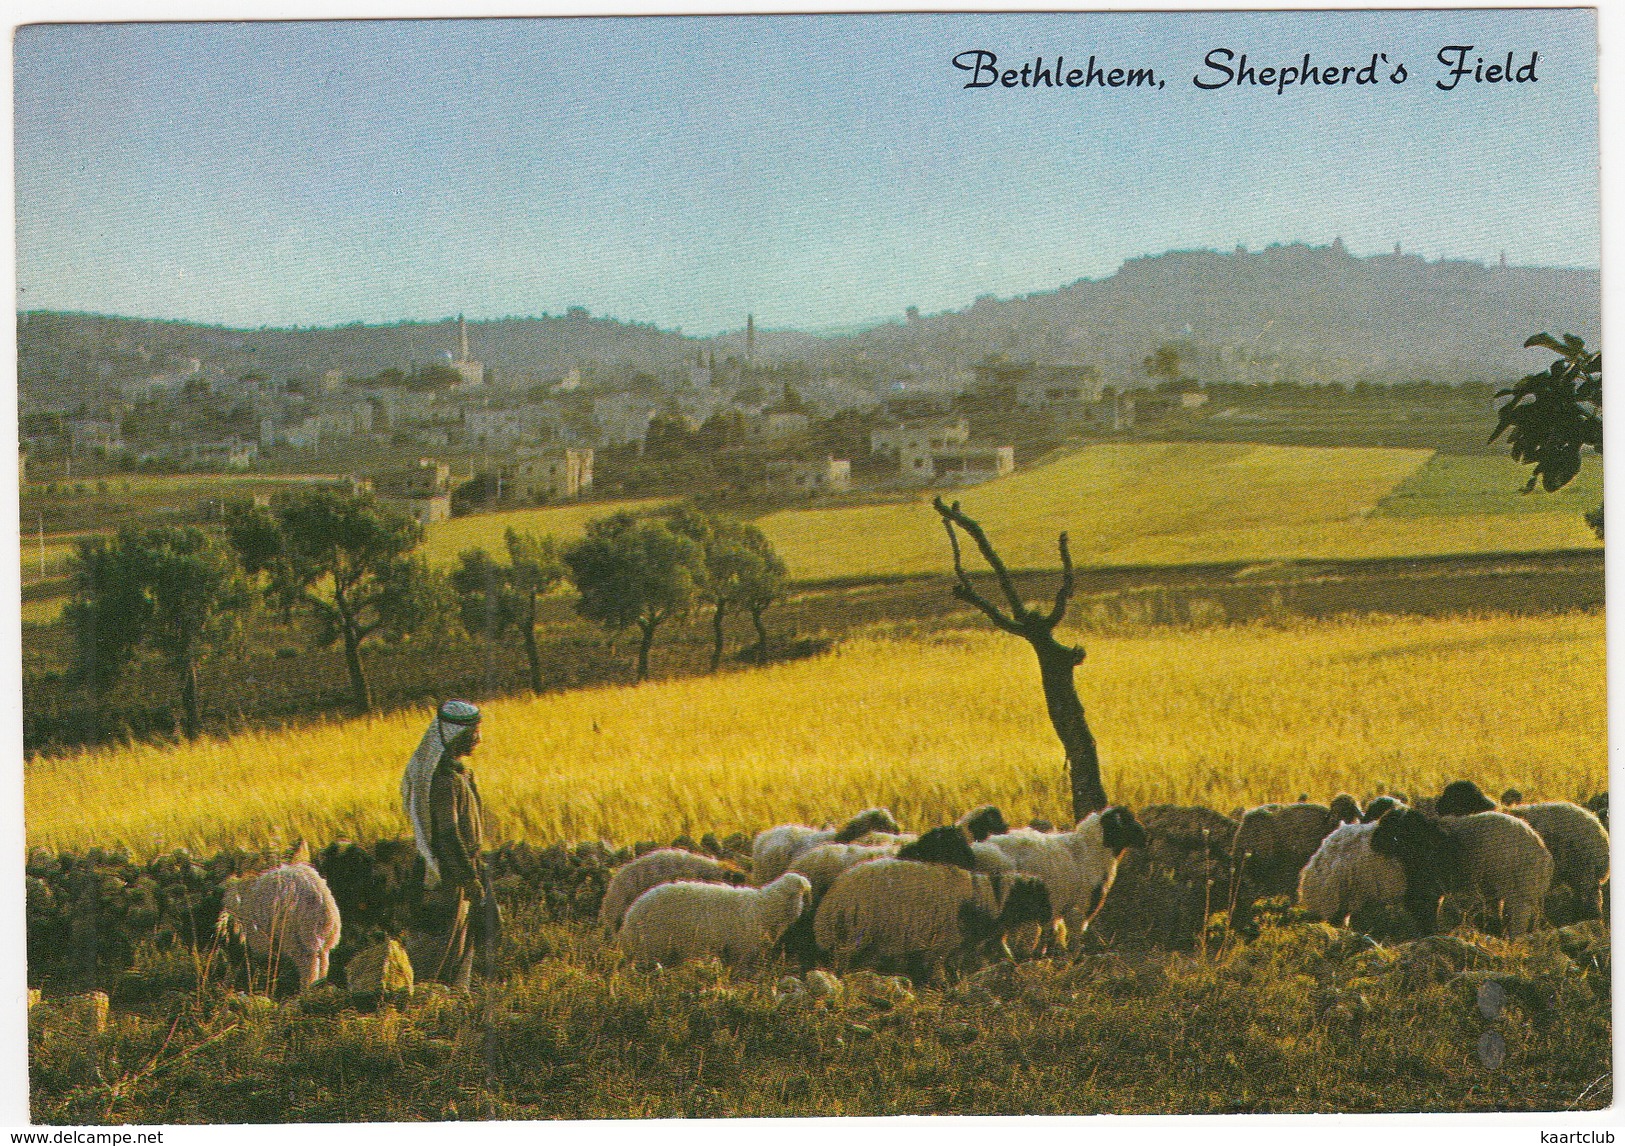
(495, 598)
(633, 571)
(343, 561)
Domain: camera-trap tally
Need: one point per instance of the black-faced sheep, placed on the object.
(677, 921)
(1495, 858)
(1077, 867)
(285, 913)
(894, 914)
(374, 888)
(664, 865)
(775, 849)
(1345, 875)
(1375, 810)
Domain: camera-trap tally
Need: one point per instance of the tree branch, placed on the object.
(972, 597)
(952, 514)
(1064, 593)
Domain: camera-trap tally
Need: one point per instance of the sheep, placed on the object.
(1077, 867)
(1598, 806)
(1492, 856)
(774, 849)
(677, 921)
(1375, 809)
(979, 823)
(664, 865)
(287, 911)
(1345, 875)
(825, 863)
(1346, 808)
(950, 844)
(1574, 835)
(1578, 843)
(917, 917)
(377, 888)
(1271, 845)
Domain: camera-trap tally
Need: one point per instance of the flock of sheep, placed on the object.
(867, 894)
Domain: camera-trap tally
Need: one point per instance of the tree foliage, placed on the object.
(634, 571)
(173, 590)
(344, 562)
(742, 570)
(495, 598)
(1550, 418)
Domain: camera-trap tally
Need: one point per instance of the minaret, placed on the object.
(462, 329)
(750, 338)
(1503, 260)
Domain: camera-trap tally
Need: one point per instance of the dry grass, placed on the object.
(1222, 716)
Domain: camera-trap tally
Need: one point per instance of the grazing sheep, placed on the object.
(1494, 857)
(773, 850)
(1598, 806)
(1345, 875)
(1511, 796)
(1272, 843)
(823, 864)
(287, 912)
(1375, 809)
(1077, 867)
(897, 915)
(677, 921)
(1574, 835)
(664, 865)
(1578, 843)
(1346, 808)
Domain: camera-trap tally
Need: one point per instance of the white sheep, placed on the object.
(677, 921)
(1492, 857)
(1077, 867)
(1574, 835)
(915, 917)
(285, 913)
(665, 865)
(775, 849)
(1345, 875)
(1578, 843)
(824, 864)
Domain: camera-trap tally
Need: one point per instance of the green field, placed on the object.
(1188, 503)
(1457, 485)
(485, 531)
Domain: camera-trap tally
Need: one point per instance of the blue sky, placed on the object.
(813, 171)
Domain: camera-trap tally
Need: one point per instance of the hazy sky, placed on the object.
(812, 170)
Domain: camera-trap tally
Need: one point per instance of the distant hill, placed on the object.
(1287, 313)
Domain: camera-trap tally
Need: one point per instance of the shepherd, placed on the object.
(448, 824)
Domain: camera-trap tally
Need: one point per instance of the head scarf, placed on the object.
(453, 718)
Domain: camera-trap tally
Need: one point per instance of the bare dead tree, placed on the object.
(1056, 661)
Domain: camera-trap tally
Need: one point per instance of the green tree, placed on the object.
(1552, 417)
(343, 561)
(634, 571)
(495, 598)
(174, 590)
(741, 570)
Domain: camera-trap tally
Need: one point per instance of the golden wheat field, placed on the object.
(1167, 504)
(1222, 716)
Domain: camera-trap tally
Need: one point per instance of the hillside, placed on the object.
(1288, 313)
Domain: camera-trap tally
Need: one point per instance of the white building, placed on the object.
(914, 436)
(550, 475)
(956, 465)
(829, 475)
